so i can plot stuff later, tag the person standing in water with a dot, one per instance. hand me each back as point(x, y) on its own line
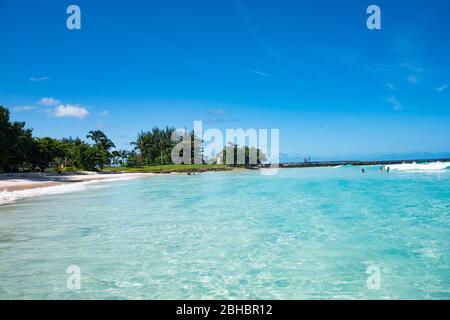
point(388, 169)
point(381, 169)
point(362, 170)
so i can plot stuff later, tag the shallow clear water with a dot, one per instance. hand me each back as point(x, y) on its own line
point(304, 233)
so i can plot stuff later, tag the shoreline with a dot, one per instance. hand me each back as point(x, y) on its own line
point(23, 181)
point(15, 186)
point(13, 182)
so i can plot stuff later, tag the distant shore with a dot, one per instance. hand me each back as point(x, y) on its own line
point(312, 164)
point(172, 168)
point(17, 182)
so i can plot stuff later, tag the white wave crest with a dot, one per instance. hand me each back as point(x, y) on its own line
point(419, 166)
point(7, 197)
point(12, 196)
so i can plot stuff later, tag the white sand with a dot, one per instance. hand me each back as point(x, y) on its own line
point(23, 181)
point(15, 186)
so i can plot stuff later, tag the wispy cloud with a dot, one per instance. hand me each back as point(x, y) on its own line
point(390, 86)
point(412, 79)
point(216, 112)
point(24, 108)
point(70, 111)
point(219, 116)
point(442, 88)
point(412, 67)
point(38, 79)
point(264, 74)
point(396, 105)
point(399, 66)
point(104, 113)
point(49, 102)
point(248, 23)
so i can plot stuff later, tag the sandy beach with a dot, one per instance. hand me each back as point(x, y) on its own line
point(10, 182)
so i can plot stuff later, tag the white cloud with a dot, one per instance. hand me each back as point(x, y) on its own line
point(49, 102)
point(38, 79)
point(442, 88)
point(57, 109)
point(396, 105)
point(412, 79)
point(104, 113)
point(24, 108)
point(68, 110)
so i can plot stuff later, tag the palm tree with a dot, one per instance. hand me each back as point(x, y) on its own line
point(120, 156)
point(100, 140)
point(123, 155)
point(142, 144)
point(116, 161)
point(96, 136)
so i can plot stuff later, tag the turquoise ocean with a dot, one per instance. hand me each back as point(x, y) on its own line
point(299, 234)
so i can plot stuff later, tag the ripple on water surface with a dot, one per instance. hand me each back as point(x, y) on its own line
point(304, 233)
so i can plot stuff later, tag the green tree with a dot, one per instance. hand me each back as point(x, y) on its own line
point(120, 157)
point(103, 144)
point(247, 151)
point(142, 144)
point(80, 155)
point(16, 144)
point(47, 153)
point(100, 140)
point(133, 159)
point(7, 138)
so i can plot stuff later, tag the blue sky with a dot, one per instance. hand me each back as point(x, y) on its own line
point(310, 68)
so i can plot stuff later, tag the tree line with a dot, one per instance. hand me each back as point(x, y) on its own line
point(21, 151)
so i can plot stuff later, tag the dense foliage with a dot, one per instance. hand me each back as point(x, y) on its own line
point(20, 151)
point(241, 156)
point(155, 147)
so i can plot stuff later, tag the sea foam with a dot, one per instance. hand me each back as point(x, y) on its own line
point(7, 197)
point(420, 166)
point(11, 196)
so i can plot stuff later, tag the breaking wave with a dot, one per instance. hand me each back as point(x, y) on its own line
point(11, 196)
point(7, 197)
point(420, 166)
